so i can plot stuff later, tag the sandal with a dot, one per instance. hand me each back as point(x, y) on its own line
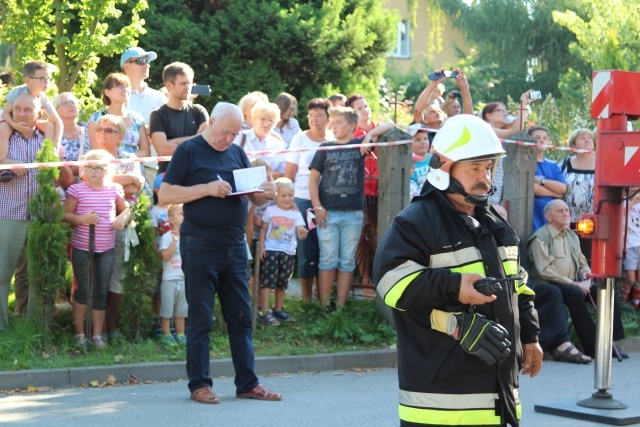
point(282, 315)
point(566, 356)
point(260, 392)
point(268, 318)
point(205, 395)
point(625, 294)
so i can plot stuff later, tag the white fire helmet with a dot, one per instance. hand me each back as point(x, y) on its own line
point(462, 138)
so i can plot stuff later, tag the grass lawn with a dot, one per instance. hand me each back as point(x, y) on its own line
point(357, 327)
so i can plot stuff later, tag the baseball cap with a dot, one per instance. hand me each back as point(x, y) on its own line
point(158, 181)
point(136, 52)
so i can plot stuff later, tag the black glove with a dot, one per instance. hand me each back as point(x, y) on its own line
point(480, 336)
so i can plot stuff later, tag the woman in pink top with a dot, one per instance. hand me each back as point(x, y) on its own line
point(99, 202)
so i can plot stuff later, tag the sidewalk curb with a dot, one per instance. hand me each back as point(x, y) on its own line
point(172, 371)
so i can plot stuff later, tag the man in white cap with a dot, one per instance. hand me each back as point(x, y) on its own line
point(135, 63)
point(459, 350)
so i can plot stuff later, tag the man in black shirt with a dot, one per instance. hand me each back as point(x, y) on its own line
point(213, 249)
point(179, 119)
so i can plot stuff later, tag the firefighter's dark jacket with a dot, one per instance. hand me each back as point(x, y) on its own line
point(418, 268)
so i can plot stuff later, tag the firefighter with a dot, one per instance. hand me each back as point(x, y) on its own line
point(459, 351)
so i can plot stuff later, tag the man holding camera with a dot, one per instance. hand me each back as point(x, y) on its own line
point(459, 351)
point(179, 119)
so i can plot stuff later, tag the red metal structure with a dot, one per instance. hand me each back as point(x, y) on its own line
point(615, 101)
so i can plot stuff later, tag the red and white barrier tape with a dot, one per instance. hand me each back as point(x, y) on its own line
point(261, 153)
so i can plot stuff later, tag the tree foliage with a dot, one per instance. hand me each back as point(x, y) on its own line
point(72, 35)
point(306, 48)
point(606, 33)
point(47, 238)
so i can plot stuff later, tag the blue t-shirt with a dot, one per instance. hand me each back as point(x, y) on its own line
point(420, 173)
point(213, 218)
point(551, 171)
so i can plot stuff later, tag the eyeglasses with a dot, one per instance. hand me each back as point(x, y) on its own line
point(500, 110)
point(140, 61)
point(106, 131)
point(69, 103)
point(42, 79)
point(122, 87)
point(317, 117)
point(95, 169)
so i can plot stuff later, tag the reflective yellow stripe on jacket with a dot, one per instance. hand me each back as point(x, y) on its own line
point(453, 409)
point(509, 257)
point(395, 281)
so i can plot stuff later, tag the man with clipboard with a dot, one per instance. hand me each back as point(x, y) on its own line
point(214, 255)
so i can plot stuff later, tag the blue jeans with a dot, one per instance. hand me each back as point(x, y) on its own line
point(308, 251)
point(339, 239)
point(209, 268)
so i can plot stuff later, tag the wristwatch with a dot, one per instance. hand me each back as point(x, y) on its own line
point(543, 181)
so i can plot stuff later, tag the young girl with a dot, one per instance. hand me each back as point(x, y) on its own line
point(278, 240)
point(99, 202)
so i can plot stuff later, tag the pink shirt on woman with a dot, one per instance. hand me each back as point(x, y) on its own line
point(103, 202)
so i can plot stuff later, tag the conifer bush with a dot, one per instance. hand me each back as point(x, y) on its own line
point(47, 240)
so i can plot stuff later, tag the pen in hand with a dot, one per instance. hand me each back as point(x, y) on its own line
point(218, 177)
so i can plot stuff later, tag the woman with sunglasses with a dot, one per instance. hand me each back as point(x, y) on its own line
point(75, 138)
point(115, 95)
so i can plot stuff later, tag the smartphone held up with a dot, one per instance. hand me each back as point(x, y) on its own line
point(535, 94)
point(442, 74)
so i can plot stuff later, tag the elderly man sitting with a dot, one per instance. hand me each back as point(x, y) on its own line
point(555, 258)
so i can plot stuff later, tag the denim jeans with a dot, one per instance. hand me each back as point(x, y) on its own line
point(339, 239)
point(209, 268)
point(308, 251)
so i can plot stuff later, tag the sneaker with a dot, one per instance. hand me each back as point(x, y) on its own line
point(328, 308)
point(169, 342)
point(181, 339)
point(98, 342)
point(282, 315)
point(81, 341)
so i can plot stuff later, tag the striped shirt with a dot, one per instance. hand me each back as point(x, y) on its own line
point(103, 202)
point(15, 195)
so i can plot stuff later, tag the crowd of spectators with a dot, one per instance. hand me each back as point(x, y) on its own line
point(326, 188)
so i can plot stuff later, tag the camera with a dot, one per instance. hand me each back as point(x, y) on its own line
point(203, 90)
point(535, 95)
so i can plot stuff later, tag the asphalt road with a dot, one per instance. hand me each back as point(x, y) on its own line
point(335, 398)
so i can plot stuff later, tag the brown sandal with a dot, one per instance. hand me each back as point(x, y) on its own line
point(260, 392)
point(566, 356)
point(205, 395)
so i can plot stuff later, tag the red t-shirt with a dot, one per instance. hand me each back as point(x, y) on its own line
point(370, 166)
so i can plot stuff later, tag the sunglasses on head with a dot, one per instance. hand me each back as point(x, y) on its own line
point(139, 61)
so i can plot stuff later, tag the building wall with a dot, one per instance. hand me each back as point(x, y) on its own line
point(419, 41)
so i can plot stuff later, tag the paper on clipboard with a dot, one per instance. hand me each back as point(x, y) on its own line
point(249, 180)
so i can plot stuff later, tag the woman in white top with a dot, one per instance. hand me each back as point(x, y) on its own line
point(298, 171)
point(264, 117)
